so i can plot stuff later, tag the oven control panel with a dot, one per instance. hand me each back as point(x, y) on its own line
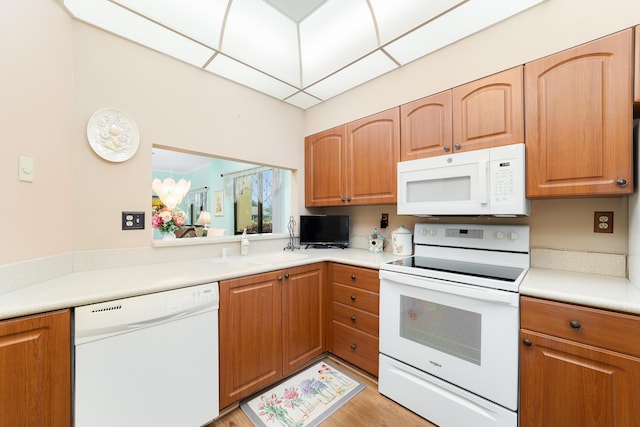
point(474, 236)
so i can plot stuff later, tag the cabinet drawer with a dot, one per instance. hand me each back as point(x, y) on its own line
point(355, 318)
point(357, 298)
point(364, 278)
point(601, 328)
point(356, 347)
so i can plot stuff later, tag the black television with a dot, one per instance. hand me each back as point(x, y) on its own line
point(324, 231)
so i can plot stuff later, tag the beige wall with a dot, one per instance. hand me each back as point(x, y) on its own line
point(56, 72)
point(36, 82)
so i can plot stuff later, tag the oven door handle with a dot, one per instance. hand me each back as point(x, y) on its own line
point(468, 291)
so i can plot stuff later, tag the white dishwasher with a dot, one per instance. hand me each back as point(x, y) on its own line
point(150, 360)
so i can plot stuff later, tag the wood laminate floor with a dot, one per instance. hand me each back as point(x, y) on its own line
point(367, 409)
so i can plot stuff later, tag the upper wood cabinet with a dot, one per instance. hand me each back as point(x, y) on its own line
point(354, 164)
point(35, 370)
point(579, 119)
point(636, 84)
point(271, 324)
point(485, 113)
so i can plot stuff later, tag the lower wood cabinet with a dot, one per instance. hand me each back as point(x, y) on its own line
point(579, 366)
point(35, 370)
point(271, 325)
point(355, 304)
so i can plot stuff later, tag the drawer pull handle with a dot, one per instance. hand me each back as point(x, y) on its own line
point(353, 318)
point(353, 347)
point(574, 324)
point(526, 342)
point(353, 277)
point(353, 297)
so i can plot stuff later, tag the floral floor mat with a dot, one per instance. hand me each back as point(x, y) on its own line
point(304, 400)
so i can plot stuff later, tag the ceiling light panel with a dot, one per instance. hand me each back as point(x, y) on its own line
point(259, 35)
point(247, 76)
point(398, 17)
point(355, 74)
point(117, 20)
point(336, 34)
point(469, 18)
point(302, 100)
point(199, 19)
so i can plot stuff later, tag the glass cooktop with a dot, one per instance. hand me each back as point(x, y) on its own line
point(472, 269)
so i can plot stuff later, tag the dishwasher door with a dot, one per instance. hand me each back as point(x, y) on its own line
point(150, 360)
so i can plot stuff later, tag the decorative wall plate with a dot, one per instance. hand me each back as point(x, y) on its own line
point(113, 135)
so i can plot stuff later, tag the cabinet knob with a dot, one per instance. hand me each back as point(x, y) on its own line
point(353, 297)
point(621, 182)
point(342, 199)
point(348, 199)
point(574, 324)
point(353, 347)
point(456, 146)
point(353, 277)
point(527, 342)
point(446, 148)
point(286, 275)
point(280, 278)
point(353, 318)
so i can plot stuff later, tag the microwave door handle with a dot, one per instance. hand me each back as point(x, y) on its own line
point(483, 190)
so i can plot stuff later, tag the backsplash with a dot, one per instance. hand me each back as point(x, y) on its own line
point(583, 262)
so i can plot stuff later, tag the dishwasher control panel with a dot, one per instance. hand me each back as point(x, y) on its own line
point(184, 299)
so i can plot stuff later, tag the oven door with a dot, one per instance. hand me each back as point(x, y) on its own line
point(465, 335)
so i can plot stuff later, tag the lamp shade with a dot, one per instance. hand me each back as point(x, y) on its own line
point(204, 218)
point(171, 192)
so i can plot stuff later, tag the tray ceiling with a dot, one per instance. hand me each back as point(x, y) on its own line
point(299, 51)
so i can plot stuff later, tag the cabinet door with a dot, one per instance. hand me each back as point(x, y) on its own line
point(250, 335)
point(426, 127)
point(578, 120)
point(325, 177)
point(563, 383)
point(303, 315)
point(489, 112)
point(373, 150)
point(35, 370)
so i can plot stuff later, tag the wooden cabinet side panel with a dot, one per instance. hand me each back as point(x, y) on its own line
point(373, 150)
point(636, 84)
point(35, 370)
point(563, 383)
point(303, 315)
point(578, 120)
point(489, 112)
point(250, 335)
point(325, 168)
point(426, 127)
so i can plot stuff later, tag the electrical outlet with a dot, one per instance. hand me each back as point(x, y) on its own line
point(603, 222)
point(133, 220)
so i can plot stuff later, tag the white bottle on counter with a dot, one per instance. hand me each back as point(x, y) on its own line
point(244, 243)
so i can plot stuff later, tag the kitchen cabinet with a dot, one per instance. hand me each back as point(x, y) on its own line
point(271, 324)
point(35, 370)
point(485, 113)
point(578, 120)
point(354, 164)
point(578, 366)
point(636, 80)
point(355, 316)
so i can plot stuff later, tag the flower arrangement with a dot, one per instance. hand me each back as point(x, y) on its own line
point(167, 220)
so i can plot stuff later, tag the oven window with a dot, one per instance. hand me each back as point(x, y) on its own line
point(448, 329)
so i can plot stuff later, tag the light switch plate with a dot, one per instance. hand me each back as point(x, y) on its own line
point(25, 169)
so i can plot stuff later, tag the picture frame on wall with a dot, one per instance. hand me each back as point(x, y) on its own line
point(218, 203)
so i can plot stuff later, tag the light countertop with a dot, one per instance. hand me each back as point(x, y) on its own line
point(595, 290)
point(88, 287)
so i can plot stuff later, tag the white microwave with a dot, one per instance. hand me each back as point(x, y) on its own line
point(480, 182)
